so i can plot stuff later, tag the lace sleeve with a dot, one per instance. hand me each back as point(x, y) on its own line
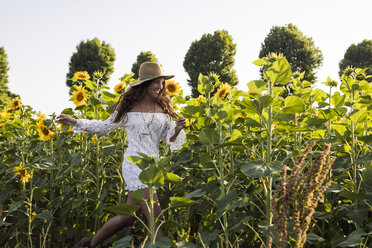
point(169, 132)
point(97, 126)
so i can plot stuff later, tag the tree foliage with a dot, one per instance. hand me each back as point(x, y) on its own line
point(141, 58)
point(213, 53)
point(299, 50)
point(5, 94)
point(359, 56)
point(91, 56)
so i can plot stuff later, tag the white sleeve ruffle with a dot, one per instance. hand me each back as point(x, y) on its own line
point(97, 126)
point(180, 139)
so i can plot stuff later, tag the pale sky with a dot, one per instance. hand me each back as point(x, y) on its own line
point(39, 36)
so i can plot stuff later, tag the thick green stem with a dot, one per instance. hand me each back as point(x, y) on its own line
point(222, 183)
point(29, 213)
point(152, 221)
point(329, 111)
point(353, 149)
point(296, 134)
point(268, 159)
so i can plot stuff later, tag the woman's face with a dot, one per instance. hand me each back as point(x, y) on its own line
point(155, 87)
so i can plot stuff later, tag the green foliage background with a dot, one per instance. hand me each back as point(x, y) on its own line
point(216, 191)
point(213, 53)
point(300, 51)
point(5, 94)
point(359, 55)
point(92, 55)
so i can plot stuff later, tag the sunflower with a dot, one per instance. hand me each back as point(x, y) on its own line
point(20, 170)
point(64, 128)
point(80, 96)
point(222, 91)
point(240, 115)
point(15, 103)
point(80, 76)
point(172, 87)
point(3, 118)
point(3, 115)
point(44, 132)
point(41, 119)
point(119, 87)
point(253, 158)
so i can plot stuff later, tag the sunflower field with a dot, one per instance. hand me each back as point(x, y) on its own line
point(285, 164)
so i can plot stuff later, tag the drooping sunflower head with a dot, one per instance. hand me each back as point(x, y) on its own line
point(45, 133)
point(15, 103)
point(119, 87)
point(222, 91)
point(79, 96)
point(172, 87)
point(80, 76)
point(20, 170)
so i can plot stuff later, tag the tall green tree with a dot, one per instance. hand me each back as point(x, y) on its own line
point(141, 58)
point(299, 50)
point(213, 53)
point(92, 55)
point(359, 56)
point(5, 94)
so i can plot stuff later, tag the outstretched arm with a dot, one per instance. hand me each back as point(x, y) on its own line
point(90, 126)
point(66, 119)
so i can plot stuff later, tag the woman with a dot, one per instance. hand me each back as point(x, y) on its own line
point(144, 110)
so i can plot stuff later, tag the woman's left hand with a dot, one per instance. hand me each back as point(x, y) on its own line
point(180, 124)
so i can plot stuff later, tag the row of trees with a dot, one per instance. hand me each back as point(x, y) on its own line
point(5, 94)
point(213, 53)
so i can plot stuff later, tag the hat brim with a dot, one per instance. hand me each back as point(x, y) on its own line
point(135, 83)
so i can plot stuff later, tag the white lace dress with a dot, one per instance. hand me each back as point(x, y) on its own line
point(144, 131)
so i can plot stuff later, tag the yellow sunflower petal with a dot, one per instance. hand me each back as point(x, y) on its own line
point(15, 103)
point(64, 128)
point(80, 76)
point(172, 87)
point(119, 87)
point(199, 100)
point(45, 133)
point(222, 91)
point(20, 170)
point(79, 96)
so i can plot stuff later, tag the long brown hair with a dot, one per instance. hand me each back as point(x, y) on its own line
point(136, 94)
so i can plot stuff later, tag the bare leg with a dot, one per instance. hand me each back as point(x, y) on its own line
point(113, 225)
point(157, 210)
point(116, 223)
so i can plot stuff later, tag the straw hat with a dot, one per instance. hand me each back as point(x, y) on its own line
point(149, 71)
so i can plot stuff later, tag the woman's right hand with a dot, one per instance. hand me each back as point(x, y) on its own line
point(66, 119)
